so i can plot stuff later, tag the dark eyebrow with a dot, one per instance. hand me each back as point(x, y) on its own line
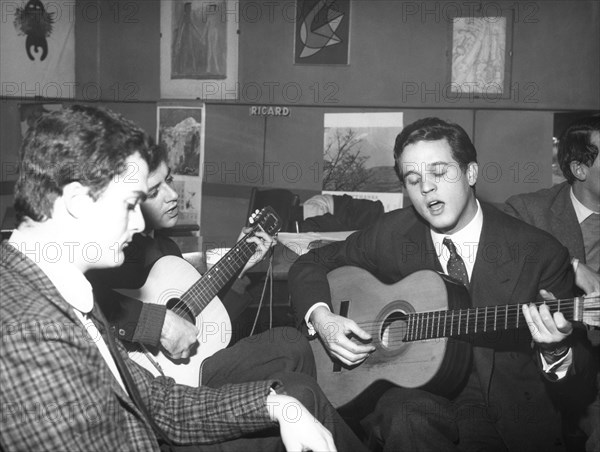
point(434, 164)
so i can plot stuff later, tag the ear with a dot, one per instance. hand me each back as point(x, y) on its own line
point(76, 199)
point(579, 170)
point(472, 172)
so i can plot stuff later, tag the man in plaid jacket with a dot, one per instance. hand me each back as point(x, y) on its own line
point(63, 385)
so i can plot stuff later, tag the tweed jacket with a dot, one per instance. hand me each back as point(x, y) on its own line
point(550, 209)
point(57, 393)
point(514, 261)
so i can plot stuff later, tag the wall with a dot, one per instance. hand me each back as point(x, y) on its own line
point(398, 61)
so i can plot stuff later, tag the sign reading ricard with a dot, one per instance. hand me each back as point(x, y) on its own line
point(269, 110)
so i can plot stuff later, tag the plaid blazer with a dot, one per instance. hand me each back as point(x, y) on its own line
point(57, 393)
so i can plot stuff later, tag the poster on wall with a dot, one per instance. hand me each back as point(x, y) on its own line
point(37, 49)
point(322, 32)
point(181, 132)
point(480, 55)
point(358, 156)
point(199, 49)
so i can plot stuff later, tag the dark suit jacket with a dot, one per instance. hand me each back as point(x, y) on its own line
point(514, 261)
point(550, 209)
point(57, 392)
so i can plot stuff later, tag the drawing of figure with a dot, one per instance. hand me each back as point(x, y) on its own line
point(188, 54)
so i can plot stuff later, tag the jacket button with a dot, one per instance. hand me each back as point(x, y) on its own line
point(121, 332)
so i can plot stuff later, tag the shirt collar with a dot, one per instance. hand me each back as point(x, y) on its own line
point(581, 211)
point(466, 240)
point(68, 279)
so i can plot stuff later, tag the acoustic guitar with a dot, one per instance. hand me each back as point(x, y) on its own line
point(417, 348)
point(174, 282)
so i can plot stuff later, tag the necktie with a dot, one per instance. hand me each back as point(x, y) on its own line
point(126, 375)
point(590, 229)
point(456, 266)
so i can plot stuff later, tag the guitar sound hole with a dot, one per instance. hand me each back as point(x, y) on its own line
point(181, 310)
point(393, 330)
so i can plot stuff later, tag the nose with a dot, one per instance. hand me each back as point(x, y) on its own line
point(171, 194)
point(136, 221)
point(427, 184)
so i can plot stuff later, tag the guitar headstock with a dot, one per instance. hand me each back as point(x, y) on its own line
point(267, 219)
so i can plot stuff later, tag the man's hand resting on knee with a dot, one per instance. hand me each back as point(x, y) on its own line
point(299, 429)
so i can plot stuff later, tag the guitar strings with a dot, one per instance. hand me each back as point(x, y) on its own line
point(200, 294)
point(444, 323)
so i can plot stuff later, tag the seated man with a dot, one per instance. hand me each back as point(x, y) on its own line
point(65, 386)
point(571, 212)
point(280, 349)
point(504, 400)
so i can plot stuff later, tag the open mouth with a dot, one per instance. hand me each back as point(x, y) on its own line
point(173, 212)
point(435, 206)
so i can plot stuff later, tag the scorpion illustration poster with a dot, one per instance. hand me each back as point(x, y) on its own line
point(199, 49)
point(181, 131)
point(37, 55)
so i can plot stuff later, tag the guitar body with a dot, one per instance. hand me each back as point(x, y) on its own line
point(438, 364)
point(169, 278)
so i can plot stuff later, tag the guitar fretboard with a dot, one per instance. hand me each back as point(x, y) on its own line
point(436, 324)
point(197, 297)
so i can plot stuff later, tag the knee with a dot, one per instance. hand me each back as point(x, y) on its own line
point(302, 387)
point(297, 346)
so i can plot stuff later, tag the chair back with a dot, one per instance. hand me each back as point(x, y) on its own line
point(283, 201)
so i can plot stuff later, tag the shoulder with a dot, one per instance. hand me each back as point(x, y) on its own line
point(25, 290)
point(541, 199)
point(400, 219)
point(517, 230)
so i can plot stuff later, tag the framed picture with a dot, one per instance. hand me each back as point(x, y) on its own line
point(480, 55)
point(38, 49)
point(322, 32)
point(199, 49)
point(358, 156)
point(181, 131)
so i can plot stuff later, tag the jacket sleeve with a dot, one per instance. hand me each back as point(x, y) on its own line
point(307, 278)
point(205, 415)
point(132, 320)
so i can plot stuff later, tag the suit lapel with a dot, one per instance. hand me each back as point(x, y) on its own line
point(423, 253)
point(564, 224)
point(495, 269)
point(47, 290)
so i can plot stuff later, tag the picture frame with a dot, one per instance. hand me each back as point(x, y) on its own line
point(322, 32)
point(357, 156)
point(480, 55)
point(199, 49)
point(180, 129)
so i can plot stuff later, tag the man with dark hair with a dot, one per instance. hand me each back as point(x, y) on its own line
point(504, 401)
point(571, 212)
point(66, 386)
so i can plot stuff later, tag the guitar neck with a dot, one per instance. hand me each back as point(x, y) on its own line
point(201, 293)
point(451, 323)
